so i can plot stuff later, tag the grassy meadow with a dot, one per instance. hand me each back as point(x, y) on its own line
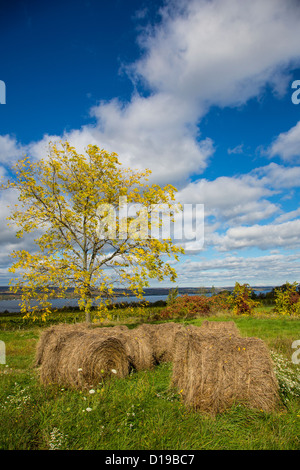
point(140, 412)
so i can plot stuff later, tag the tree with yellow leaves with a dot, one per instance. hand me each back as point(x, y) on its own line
point(73, 201)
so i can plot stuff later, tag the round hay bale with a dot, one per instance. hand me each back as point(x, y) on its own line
point(147, 330)
point(215, 372)
point(52, 337)
point(82, 357)
point(139, 349)
point(137, 344)
point(62, 348)
point(180, 358)
point(91, 358)
point(162, 337)
point(52, 340)
point(224, 329)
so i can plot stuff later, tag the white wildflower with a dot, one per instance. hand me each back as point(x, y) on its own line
point(57, 439)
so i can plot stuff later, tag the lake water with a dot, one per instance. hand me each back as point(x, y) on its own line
point(13, 305)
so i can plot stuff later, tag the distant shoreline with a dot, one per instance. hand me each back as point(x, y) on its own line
point(11, 305)
point(5, 293)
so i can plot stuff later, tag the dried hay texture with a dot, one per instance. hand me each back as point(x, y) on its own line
point(137, 345)
point(224, 327)
point(51, 338)
point(90, 358)
point(213, 372)
point(79, 355)
point(162, 337)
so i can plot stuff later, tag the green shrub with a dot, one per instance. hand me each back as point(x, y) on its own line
point(240, 300)
point(287, 299)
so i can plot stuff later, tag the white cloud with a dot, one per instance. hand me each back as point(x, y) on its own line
point(285, 235)
point(271, 269)
point(287, 145)
point(157, 132)
point(287, 216)
point(277, 176)
point(238, 149)
point(220, 52)
point(235, 200)
point(8, 240)
point(10, 150)
point(236, 207)
point(202, 53)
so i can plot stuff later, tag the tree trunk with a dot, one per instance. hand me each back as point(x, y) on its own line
point(88, 316)
point(88, 303)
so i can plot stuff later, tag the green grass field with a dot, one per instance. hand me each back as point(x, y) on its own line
point(140, 412)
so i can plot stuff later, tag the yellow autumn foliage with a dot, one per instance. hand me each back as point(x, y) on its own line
point(58, 199)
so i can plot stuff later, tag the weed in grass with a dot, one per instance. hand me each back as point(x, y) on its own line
point(57, 439)
point(18, 399)
point(288, 380)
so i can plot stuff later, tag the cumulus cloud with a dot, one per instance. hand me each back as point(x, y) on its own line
point(285, 235)
point(287, 216)
point(239, 209)
point(277, 176)
point(158, 132)
point(287, 145)
point(220, 52)
point(233, 200)
point(202, 53)
point(8, 240)
point(272, 269)
point(10, 150)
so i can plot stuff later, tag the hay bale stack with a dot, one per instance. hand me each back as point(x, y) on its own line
point(63, 349)
point(162, 338)
point(212, 372)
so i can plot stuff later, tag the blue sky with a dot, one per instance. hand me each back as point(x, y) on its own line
point(198, 91)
